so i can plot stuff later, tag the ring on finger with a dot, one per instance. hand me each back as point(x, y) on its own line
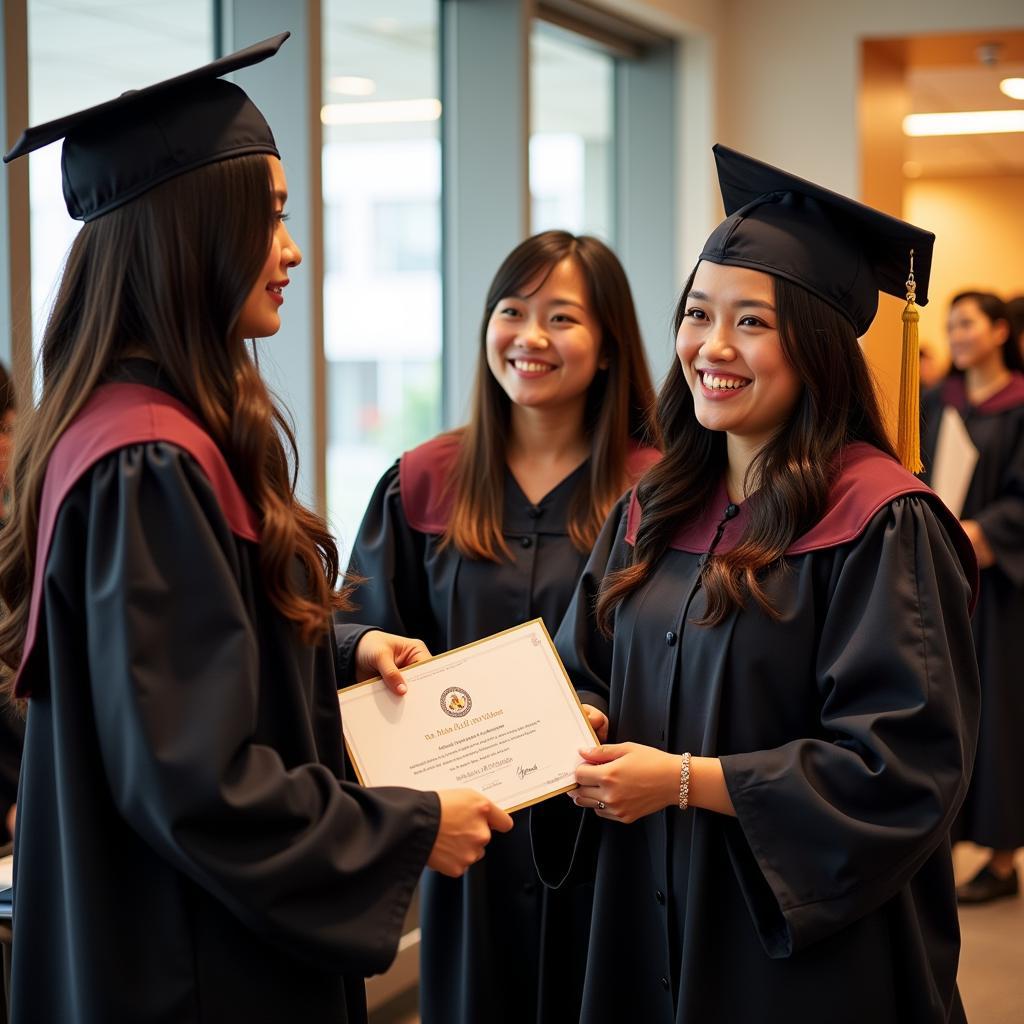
point(600, 805)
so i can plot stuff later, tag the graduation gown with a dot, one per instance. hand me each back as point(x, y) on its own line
point(846, 732)
point(188, 847)
point(496, 946)
point(993, 813)
point(12, 736)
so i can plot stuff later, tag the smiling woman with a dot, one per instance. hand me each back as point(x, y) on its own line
point(183, 738)
point(488, 526)
point(776, 622)
point(733, 359)
point(259, 317)
point(544, 347)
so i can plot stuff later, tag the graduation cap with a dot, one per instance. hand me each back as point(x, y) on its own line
point(116, 151)
point(840, 250)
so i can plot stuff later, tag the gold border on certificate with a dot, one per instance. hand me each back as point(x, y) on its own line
point(546, 636)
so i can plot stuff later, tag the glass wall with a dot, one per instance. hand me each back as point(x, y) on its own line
point(382, 242)
point(572, 122)
point(85, 53)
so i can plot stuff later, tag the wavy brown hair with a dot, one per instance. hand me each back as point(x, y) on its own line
point(619, 408)
point(837, 405)
point(166, 276)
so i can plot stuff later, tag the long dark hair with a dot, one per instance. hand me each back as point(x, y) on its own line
point(794, 470)
point(619, 407)
point(167, 276)
point(1015, 311)
point(995, 310)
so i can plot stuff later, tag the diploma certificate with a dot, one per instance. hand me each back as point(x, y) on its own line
point(498, 715)
point(955, 459)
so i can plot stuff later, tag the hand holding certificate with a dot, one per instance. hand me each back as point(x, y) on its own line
point(498, 715)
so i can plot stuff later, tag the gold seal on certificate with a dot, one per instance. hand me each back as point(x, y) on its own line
point(498, 715)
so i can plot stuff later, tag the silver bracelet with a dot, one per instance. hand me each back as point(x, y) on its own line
point(684, 782)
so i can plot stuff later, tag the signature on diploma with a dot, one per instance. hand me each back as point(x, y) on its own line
point(522, 771)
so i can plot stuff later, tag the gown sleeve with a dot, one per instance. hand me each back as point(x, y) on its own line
point(316, 865)
point(838, 823)
point(1002, 520)
point(387, 562)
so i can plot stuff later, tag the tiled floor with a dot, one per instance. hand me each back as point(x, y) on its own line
point(992, 955)
point(991, 961)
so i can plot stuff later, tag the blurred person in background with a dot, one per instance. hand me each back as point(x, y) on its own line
point(986, 387)
point(934, 357)
point(1015, 309)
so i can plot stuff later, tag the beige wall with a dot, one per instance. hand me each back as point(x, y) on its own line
point(979, 228)
point(781, 78)
point(792, 77)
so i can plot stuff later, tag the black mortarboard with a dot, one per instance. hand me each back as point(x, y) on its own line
point(117, 150)
point(840, 250)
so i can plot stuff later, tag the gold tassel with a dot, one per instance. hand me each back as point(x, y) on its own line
point(908, 438)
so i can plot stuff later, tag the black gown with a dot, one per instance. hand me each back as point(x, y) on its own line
point(846, 732)
point(993, 813)
point(496, 946)
point(188, 849)
point(12, 737)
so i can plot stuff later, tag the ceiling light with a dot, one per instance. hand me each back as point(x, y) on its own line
point(1012, 87)
point(381, 112)
point(352, 85)
point(967, 122)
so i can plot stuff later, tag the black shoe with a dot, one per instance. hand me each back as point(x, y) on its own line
point(986, 885)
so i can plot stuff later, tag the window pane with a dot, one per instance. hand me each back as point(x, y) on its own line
point(81, 54)
point(571, 125)
point(382, 243)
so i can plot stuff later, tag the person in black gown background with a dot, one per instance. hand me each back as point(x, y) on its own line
point(1015, 309)
point(781, 599)
point(488, 526)
point(987, 390)
point(188, 848)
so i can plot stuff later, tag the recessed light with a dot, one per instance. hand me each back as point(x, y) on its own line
point(964, 122)
point(1012, 87)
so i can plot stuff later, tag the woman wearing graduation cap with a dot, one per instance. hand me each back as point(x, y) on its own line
point(984, 398)
point(490, 525)
point(776, 623)
point(188, 848)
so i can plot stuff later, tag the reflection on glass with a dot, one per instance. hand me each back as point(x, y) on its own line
point(571, 118)
point(382, 243)
point(81, 54)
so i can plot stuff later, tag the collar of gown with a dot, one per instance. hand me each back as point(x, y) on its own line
point(954, 393)
point(867, 481)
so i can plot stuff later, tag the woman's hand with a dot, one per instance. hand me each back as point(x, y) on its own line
point(598, 721)
point(982, 548)
point(384, 654)
point(467, 820)
point(626, 781)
